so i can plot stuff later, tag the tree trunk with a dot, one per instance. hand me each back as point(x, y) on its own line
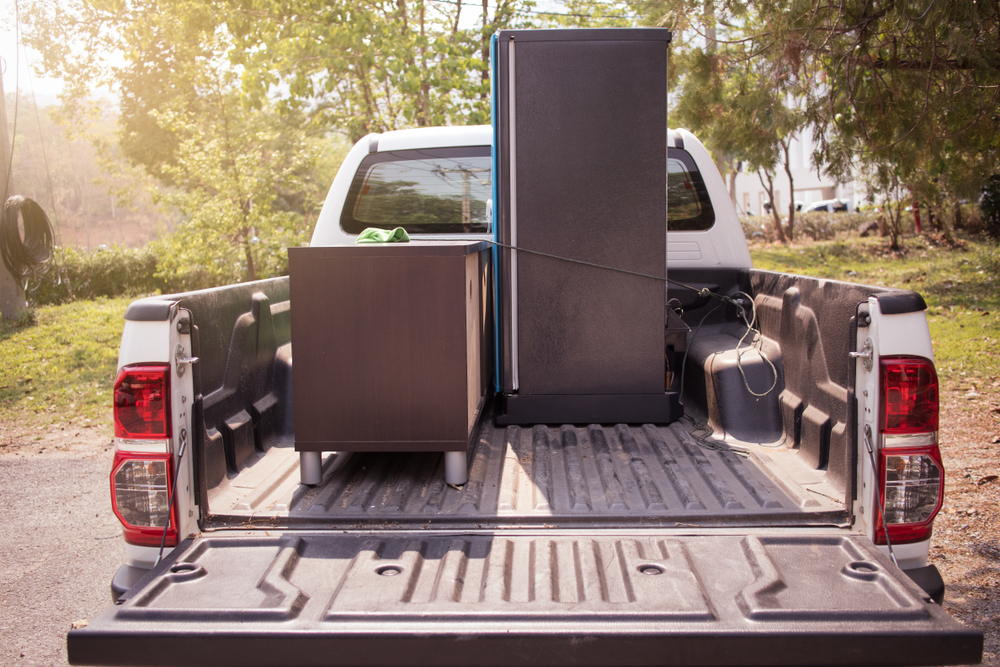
point(484, 75)
point(778, 231)
point(425, 83)
point(791, 194)
point(248, 251)
point(733, 171)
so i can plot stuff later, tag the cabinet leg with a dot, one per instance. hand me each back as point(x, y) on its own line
point(456, 469)
point(311, 468)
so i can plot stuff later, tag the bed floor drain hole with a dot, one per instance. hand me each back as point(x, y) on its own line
point(178, 568)
point(650, 570)
point(389, 570)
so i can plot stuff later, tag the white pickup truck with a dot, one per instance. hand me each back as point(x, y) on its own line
point(787, 526)
point(759, 541)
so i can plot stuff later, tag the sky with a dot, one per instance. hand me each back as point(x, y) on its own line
point(14, 62)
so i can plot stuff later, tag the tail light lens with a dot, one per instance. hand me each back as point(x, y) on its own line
point(142, 475)
point(909, 395)
point(912, 482)
point(142, 402)
point(140, 496)
point(911, 474)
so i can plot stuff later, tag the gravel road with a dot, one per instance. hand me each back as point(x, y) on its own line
point(60, 542)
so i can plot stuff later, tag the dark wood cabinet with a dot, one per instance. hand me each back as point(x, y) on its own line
point(390, 344)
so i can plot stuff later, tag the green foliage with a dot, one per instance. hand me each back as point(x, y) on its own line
point(25, 319)
point(747, 101)
point(76, 174)
point(61, 370)
point(372, 66)
point(236, 171)
point(905, 91)
point(107, 272)
point(988, 257)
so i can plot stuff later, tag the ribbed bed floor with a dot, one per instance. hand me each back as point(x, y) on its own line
point(529, 476)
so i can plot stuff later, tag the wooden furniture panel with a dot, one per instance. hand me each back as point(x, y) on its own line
point(387, 344)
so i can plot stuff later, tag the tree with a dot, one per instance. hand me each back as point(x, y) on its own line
point(371, 66)
point(905, 90)
point(913, 90)
point(231, 170)
point(746, 101)
point(77, 175)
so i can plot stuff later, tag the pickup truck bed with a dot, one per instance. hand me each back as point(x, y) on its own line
point(585, 475)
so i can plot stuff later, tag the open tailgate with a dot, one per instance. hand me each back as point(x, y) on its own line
point(507, 600)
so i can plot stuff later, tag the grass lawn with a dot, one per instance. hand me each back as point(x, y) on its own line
point(961, 286)
point(60, 371)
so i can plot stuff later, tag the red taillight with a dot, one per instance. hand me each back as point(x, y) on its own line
point(909, 395)
point(140, 496)
point(142, 402)
point(911, 475)
point(141, 479)
point(912, 482)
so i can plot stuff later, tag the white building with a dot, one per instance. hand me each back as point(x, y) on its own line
point(809, 185)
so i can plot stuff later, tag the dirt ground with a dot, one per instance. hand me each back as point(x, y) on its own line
point(61, 545)
point(966, 542)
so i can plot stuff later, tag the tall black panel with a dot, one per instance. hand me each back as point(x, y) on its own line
point(582, 135)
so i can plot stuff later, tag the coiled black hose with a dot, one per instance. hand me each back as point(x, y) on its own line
point(29, 257)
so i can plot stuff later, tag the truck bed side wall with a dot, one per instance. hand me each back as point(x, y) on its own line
point(814, 322)
point(809, 326)
point(243, 381)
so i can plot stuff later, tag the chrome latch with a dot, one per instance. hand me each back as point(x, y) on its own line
point(180, 359)
point(866, 355)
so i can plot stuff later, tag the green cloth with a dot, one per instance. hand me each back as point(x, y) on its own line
point(372, 235)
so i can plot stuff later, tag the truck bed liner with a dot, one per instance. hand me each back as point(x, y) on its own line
point(588, 476)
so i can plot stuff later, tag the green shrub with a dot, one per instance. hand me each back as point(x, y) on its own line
point(988, 257)
point(108, 272)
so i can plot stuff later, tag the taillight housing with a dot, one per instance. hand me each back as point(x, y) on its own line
point(141, 485)
point(911, 474)
point(142, 476)
point(142, 402)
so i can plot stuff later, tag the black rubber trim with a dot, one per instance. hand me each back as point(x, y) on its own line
point(373, 143)
point(678, 141)
point(929, 579)
point(151, 310)
point(588, 35)
point(125, 578)
point(589, 409)
point(900, 302)
point(170, 555)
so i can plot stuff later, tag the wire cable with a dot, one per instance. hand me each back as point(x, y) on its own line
point(17, 91)
point(28, 258)
point(173, 495)
point(702, 430)
point(757, 343)
point(703, 292)
point(878, 493)
point(45, 159)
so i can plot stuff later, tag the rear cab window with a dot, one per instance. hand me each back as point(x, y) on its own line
point(426, 191)
point(446, 191)
point(689, 208)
